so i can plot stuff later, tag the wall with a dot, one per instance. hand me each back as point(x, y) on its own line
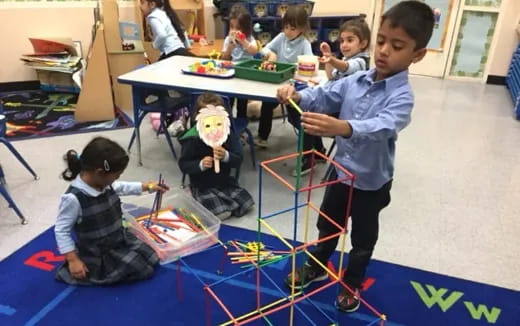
point(18, 24)
point(507, 38)
point(334, 7)
point(20, 20)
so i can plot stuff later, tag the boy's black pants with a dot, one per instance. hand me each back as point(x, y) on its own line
point(364, 213)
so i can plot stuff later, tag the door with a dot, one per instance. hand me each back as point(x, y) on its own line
point(435, 62)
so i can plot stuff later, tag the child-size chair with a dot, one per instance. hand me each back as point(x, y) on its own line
point(164, 105)
point(19, 157)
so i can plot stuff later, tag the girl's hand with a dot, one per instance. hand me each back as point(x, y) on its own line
point(271, 56)
point(207, 162)
point(219, 153)
point(77, 268)
point(243, 43)
point(319, 124)
point(152, 186)
point(286, 92)
point(325, 59)
point(325, 49)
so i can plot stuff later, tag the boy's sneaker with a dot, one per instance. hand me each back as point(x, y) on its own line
point(305, 275)
point(306, 164)
point(260, 142)
point(346, 301)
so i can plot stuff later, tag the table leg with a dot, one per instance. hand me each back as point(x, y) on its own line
point(136, 100)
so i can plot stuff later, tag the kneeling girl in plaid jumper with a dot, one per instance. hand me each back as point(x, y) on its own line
point(103, 252)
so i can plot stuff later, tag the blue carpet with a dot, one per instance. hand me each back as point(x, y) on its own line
point(29, 295)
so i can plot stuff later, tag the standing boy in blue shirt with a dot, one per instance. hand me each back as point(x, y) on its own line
point(373, 107)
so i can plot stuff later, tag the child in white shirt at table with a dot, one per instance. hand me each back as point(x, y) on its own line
point(239, 45)
point(285, 47)
point(354, 42)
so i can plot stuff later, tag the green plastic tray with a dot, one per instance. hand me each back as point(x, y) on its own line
point(248, 70)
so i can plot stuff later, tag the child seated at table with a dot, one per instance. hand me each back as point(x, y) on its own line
point(239, 45)
point(285, 48)
point(218, 192)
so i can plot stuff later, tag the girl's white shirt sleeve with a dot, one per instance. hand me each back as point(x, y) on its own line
point(274, 45)
point(158, 32)
point(69, 210)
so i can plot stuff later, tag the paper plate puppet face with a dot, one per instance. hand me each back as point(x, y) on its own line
point(213, 125)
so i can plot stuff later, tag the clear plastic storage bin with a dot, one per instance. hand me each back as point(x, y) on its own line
point(134, 207)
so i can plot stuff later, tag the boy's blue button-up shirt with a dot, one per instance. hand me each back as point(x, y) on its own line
point(377, 111)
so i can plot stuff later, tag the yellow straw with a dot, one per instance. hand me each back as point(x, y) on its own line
point(336, 277)
point(276, 234)
point(295, 106)
point(306, 223)
point(206, 230)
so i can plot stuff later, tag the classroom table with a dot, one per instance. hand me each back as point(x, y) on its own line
point(167, 74)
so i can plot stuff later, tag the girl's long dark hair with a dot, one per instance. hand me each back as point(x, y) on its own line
point(243, 18)
point(176, 22)
point(174, 18)
point(100, 153)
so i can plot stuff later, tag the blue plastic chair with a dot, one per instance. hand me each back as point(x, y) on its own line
point(19, 157)
point(164, 105)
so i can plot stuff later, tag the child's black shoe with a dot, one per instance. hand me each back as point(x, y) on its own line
point(304, 276)
point(346, 301)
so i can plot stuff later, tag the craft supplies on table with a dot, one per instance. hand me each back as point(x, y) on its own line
point(254, 69)
point(211, 68)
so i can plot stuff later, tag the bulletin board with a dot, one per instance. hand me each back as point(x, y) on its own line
point(442, 10)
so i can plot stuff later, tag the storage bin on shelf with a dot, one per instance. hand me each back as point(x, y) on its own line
point(307, 5)
point(259, 8)
point(278, 8)
point(206, 236)
point(227, 6)
point(248, 69)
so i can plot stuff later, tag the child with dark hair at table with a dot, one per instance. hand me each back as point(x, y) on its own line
point(285, 48)
point(239, 45)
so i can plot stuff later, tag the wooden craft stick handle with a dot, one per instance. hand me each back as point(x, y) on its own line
point(216, 164)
